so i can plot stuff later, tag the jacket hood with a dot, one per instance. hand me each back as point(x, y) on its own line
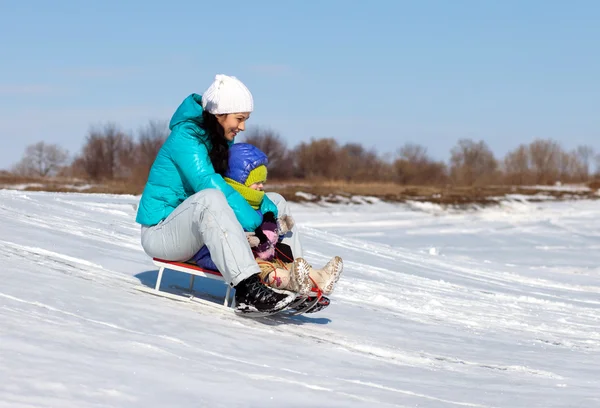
point(190, 110)
point(243, 158)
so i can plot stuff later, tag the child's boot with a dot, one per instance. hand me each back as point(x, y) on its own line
point(294, 278)
point(326, 278)
point(301, 274)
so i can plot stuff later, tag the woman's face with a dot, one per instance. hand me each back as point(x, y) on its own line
point(233, 123)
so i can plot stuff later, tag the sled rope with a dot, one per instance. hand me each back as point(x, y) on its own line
point(287, 258)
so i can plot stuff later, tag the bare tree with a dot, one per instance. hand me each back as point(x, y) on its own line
point(41, 159)
point(585, 155)
point(128, 158)
point(545, 156)
point(597, 165)
point(472, 163)
point(150, 139)
point(352, 161)
point(317, 159)
point(414, 166)
point(359, 164)
point(414, 153)
point(567, 166)
point(281, 164)
point(105, 153)
point(517, 167)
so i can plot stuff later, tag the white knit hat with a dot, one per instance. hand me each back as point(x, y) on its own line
point(227, 94)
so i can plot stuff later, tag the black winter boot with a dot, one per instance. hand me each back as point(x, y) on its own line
point(252, 296)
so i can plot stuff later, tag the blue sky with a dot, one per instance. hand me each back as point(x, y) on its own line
point(380, 73)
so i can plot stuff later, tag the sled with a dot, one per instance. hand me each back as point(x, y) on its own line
point(188, 294)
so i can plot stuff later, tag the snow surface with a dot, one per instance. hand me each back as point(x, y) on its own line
point(560, 187)
point(498, 307)
point(24, 186)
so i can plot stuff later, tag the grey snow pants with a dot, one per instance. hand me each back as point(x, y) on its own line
point(207, 219)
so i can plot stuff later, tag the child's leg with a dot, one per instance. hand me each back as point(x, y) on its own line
point(277, 274)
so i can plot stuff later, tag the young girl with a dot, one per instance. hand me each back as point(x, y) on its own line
point(247, 173)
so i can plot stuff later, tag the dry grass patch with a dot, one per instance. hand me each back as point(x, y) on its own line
point(330, 191)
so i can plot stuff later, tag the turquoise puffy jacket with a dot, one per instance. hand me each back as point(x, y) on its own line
point(182, 168)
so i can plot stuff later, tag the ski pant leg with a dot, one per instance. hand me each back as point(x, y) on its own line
point(292, 238)
point(203, 219)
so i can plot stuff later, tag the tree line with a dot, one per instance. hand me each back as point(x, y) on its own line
point(110, 154)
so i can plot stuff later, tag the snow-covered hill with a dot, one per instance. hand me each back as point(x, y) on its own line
point(492, 308)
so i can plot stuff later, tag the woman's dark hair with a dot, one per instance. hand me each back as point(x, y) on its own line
point(219, 154)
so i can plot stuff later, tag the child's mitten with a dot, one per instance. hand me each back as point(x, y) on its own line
point(285, 224)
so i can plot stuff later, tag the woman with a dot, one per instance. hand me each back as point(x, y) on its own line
point(186, 203)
